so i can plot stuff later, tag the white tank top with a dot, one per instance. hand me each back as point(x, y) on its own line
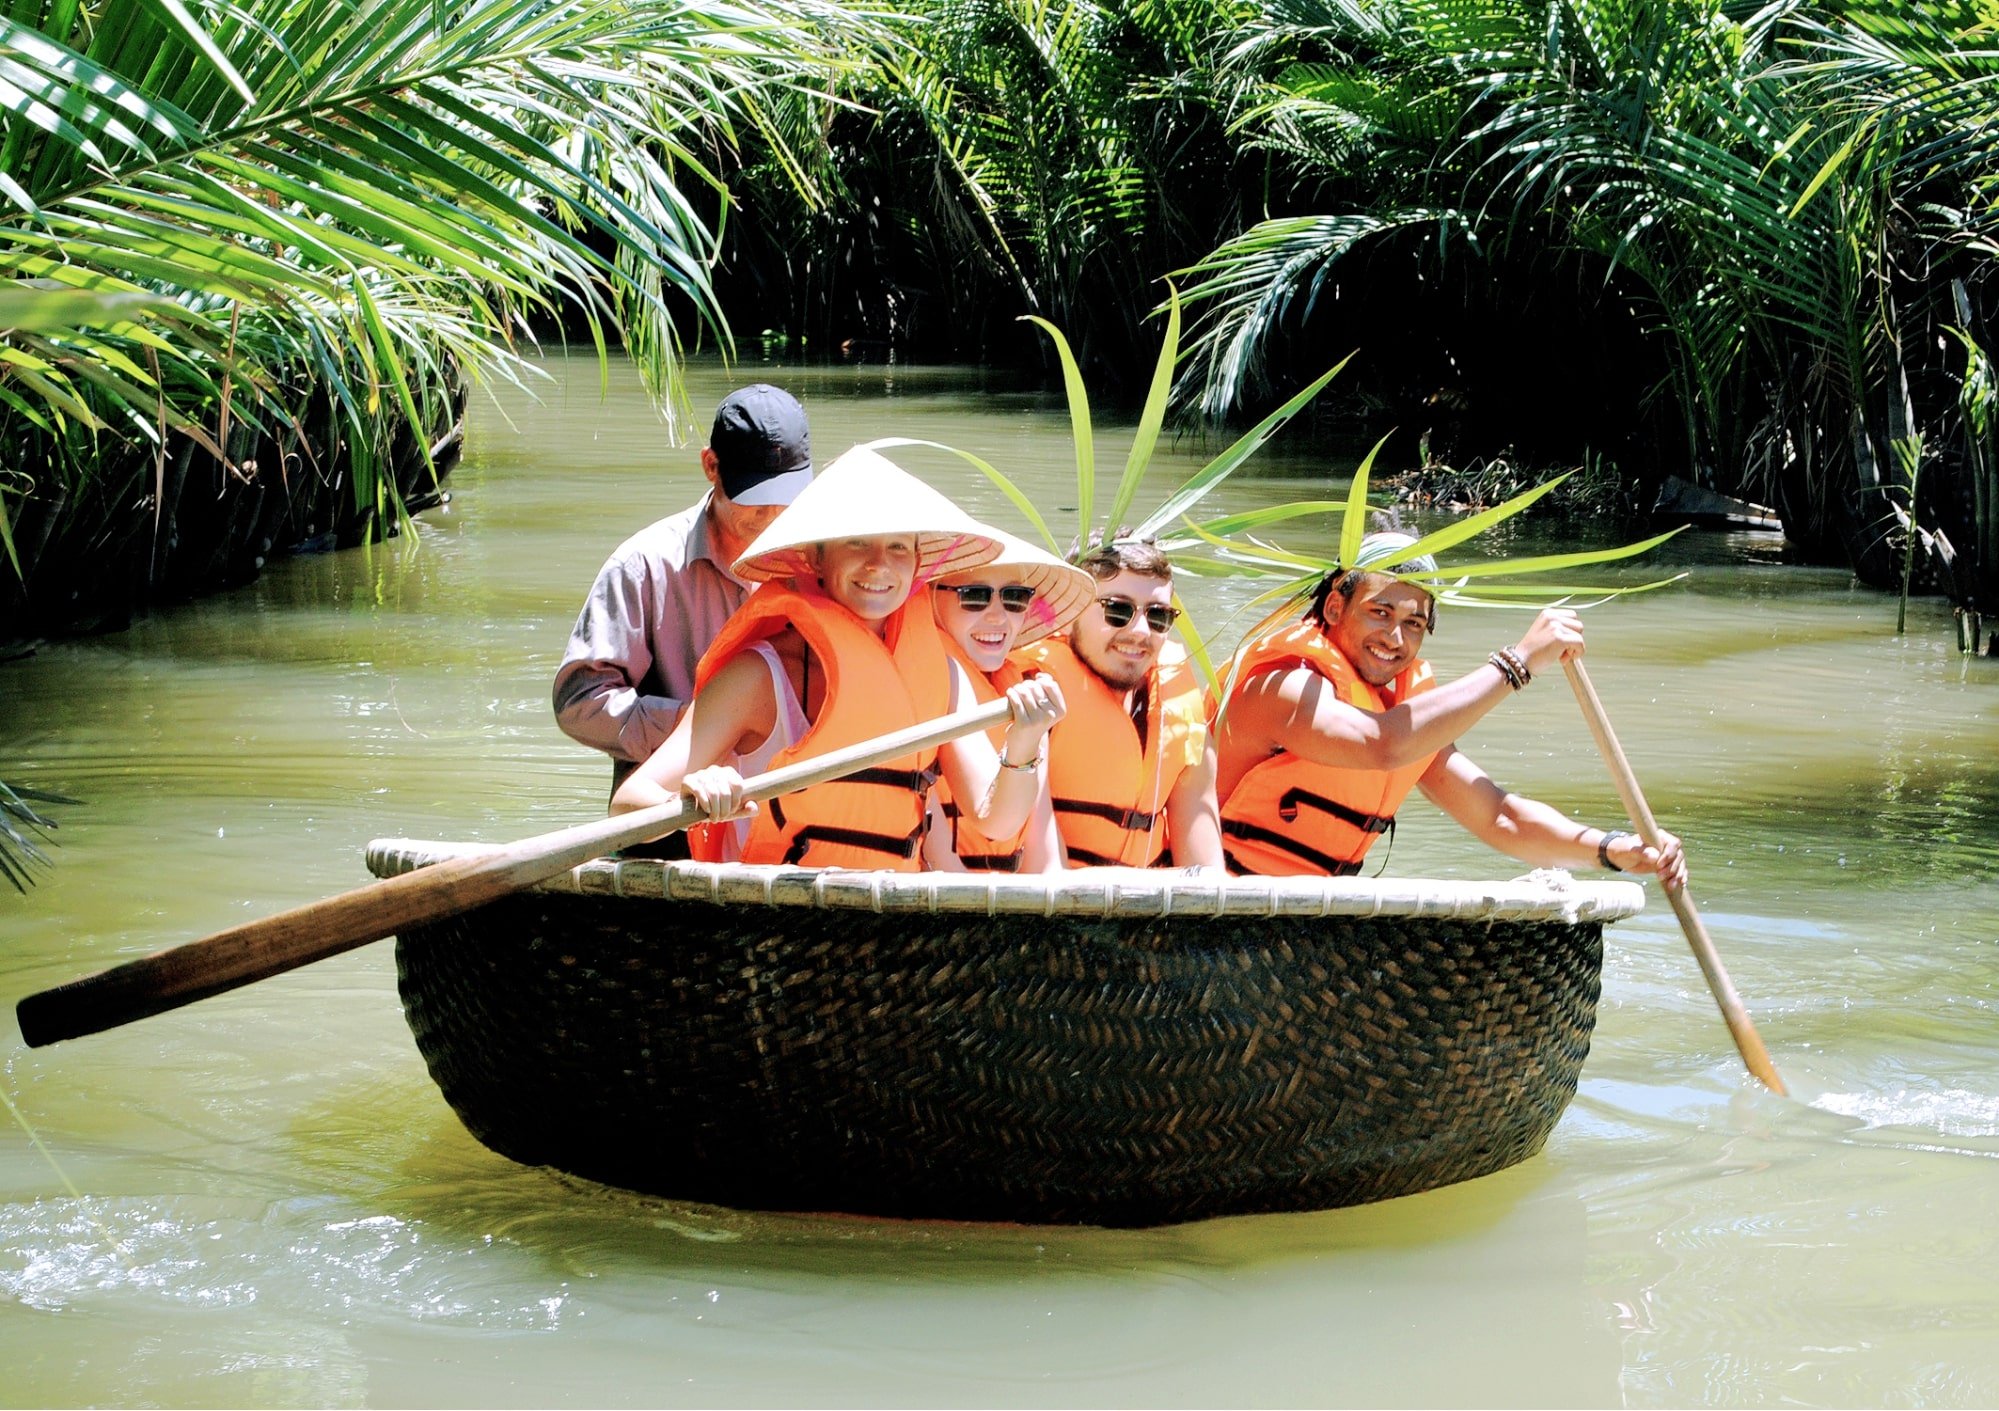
point(789, 729)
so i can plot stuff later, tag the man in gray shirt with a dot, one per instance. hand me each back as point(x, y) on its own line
point(664, 595)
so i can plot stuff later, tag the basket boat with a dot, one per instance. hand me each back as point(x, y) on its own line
point(1107, 1046)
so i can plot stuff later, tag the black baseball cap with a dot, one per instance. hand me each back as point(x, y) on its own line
point(763, 452)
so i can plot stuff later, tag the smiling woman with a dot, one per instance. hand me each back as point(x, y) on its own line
point(255, 254)
point(839, 644)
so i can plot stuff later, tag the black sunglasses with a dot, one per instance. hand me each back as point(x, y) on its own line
point(977, 597)
point(1118, 612)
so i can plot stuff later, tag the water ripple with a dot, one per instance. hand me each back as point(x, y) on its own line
point(1954, 1112)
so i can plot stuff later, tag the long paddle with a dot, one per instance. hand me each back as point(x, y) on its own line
point(256, 950)
point(1747, 1041)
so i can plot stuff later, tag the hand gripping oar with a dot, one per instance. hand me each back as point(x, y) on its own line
point(258, 949)
point(1746, 1039)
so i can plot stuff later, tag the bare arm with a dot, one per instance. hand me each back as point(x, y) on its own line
point(734, 712)
point(1300, 711)
point(596, 696)
point(1193, 817)
point(1533, 831)
point(1041, 850)
point(1001, 800)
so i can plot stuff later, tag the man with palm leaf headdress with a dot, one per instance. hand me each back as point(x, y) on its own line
point(1330, 722)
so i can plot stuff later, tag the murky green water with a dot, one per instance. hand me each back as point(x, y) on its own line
point(273, 1206)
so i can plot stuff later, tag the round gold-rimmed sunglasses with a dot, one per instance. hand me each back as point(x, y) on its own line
point(1118, 612)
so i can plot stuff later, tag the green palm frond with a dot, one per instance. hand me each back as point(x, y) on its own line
point(22, 826)
point(1783, 192)
point(1234, 554)
point(1081, 434)
point(1196, 487)
point(1269, 275)
point(359, 197)
point(1298, 573)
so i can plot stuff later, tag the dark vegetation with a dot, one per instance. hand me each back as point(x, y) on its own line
point(1748, 245)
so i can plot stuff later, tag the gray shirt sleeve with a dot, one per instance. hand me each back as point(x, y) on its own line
point(628, 672)
point(598, 700)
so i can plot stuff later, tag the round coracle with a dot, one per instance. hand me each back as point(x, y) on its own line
point(774, 1038)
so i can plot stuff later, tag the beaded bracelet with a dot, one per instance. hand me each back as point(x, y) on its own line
point(1512, 654)
point(1006, 763)
point(1504, 665)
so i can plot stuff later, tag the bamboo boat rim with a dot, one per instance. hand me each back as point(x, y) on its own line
point(1103, 892)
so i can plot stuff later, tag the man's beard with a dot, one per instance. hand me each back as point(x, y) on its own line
point(1134, 674)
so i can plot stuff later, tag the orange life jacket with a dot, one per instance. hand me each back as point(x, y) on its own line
point(1289, 816)
point(978, 852)
point(874, 817)
point(1108, 787)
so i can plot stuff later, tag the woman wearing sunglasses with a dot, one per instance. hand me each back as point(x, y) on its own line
point(986, 613)
point(837, 647)
point(1131, 767)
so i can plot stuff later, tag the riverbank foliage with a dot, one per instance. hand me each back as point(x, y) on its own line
point(251, 252)
point(1745, 244)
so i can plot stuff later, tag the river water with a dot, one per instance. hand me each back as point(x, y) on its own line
point(262, 1199)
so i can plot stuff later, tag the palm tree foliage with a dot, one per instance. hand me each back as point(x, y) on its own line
point(1794, 196)
point(271, 231)
point(998, 157)
point(290, 224)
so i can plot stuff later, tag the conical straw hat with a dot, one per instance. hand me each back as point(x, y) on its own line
point(1061, 590)
point(863, 495)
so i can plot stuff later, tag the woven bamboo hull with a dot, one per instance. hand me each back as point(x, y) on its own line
point(1153, 1051)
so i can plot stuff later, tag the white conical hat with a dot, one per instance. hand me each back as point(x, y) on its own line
point(863, 495)
point(1061, 590)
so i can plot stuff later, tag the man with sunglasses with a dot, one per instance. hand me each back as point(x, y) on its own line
point(663, 597)
point(1332, 720)
point(1131, 767)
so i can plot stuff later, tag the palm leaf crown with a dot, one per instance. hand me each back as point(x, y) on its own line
point(1230, 544)
point(1298, 574)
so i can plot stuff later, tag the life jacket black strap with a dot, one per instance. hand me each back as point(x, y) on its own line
point(1097, 859)
point(1129, 819)
point(980, 862)
point(1323, 862)
point(805, 837)
point(1287, 809)
point(917, 781)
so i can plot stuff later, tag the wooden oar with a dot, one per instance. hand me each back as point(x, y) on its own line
point(258, 949)
point(1747, 1041)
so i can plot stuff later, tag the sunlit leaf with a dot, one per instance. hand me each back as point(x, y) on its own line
point(1079, 426)
point(1150, 420)
point(1197, 485)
